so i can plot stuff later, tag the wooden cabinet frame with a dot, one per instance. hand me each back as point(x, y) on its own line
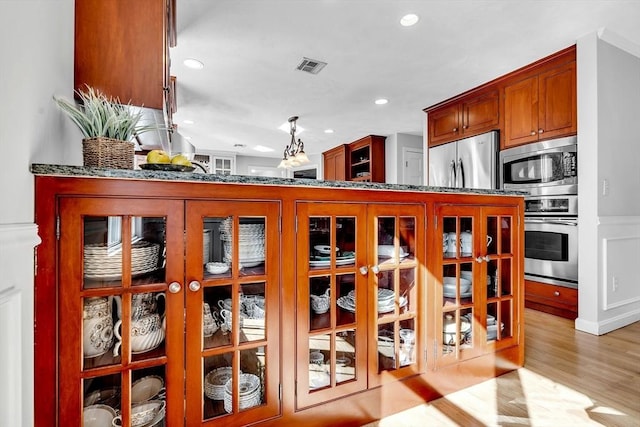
point(357, 408)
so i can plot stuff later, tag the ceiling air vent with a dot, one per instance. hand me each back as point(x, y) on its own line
point(312, 66)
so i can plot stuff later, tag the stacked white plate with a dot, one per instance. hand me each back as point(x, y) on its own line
point(250, 243)
point(386, 301)
point(101, 263)
point(215, 381)
point(250, 392)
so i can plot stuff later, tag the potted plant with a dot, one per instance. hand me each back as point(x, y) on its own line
point(108, 128)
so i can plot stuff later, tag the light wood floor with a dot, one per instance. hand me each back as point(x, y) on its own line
point(570, 378)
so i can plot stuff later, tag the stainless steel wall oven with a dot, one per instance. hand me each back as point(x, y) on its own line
point(548, 172)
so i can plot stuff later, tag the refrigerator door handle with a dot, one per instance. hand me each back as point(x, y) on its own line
point(452, 174)
point(460, 175)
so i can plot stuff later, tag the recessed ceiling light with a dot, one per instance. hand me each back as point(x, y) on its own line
point(188, 122)
point(188, 138)
point(262, 148)
point(381, 101)
point(193, 63)
point(409, 20)
point(328, 131)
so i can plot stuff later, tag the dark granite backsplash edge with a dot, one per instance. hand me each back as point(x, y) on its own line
point(88, 172)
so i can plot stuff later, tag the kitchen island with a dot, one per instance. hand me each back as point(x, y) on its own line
point(283, 301)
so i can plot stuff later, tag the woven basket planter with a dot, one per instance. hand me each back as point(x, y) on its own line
point(110, 153)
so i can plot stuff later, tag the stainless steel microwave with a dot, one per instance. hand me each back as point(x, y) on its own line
point(542, 168)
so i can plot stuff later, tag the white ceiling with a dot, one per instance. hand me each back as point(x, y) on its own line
point(250, 49)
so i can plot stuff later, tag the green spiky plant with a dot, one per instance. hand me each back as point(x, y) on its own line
point(102, 116)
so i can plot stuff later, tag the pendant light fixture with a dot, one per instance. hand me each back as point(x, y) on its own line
point(294, 154)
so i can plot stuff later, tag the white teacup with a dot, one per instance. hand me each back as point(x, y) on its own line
point(466, 242)
point(489, 240)
point(225, 304)
point(452, 242)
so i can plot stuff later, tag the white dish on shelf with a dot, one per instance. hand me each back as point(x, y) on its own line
point(387, 308)
point(347, 303)
point(327, 262)
point(217, 267)
point(146, 388)
point(388, 251)
point(453, 294)
point(324, 249)
point(318, 379)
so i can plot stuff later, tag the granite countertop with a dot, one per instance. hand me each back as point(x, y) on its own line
point(90, 172)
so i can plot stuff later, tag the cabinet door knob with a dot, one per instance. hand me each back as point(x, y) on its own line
point(533, 132)
point(455, 129)
point(479, 260)
point(174, 287)
point(465, 127)
point(363, 270)
point(557, 293)
point(194, 286)
point(375, 269)
point(540, 130)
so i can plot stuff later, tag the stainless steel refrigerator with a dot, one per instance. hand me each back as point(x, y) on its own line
point(467, 163)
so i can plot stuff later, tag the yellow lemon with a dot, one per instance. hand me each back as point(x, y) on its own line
point(158, 156)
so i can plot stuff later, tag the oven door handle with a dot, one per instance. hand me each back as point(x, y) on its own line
point(551, 221)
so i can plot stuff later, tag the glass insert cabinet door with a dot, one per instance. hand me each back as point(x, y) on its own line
point(395, 292)
point(502, 276)
point(331, 270)
point(121, 344)
point(475, 285)
point(232, 312)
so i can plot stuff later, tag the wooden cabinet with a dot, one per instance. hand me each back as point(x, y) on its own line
point(362, 160)
point(476, 287)
point(366, 159)
point(342, 347)
point(259, 304)
point(335, 163)
point(122, 48)
point(557, 300)
point(128, 306)
point(541, 107)
point(464, 117)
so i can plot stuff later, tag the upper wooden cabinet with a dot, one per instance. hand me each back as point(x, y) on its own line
point(532, 103)
point(542, 106)
point(361, 160)
point(335, 163)
point(465, 117)
point(121, 48)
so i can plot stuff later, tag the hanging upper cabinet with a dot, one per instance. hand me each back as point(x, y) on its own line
point(122, 48)
point(467, 117)
point(541, 107)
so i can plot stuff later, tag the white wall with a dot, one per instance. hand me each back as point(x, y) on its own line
point(36, 43)
point(394, 145)
point(608, 152)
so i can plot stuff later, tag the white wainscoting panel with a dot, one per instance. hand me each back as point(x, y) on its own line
point(17, 242)
point(621, 283)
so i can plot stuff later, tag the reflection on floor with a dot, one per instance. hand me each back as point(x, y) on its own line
point(570, 378)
